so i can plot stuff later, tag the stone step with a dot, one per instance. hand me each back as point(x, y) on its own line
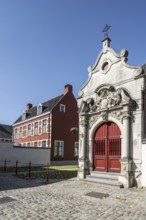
point(106, 175)
point(104, 178)
point(103, 181)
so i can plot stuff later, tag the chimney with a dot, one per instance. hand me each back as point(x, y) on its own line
point(67, 88)
point(29, 106)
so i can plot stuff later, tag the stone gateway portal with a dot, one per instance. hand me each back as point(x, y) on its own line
point(112, 121)
point(107, 148)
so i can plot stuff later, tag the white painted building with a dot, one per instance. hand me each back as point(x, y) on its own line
point(112, 123)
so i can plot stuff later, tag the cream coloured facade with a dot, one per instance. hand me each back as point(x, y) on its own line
point(111, 121)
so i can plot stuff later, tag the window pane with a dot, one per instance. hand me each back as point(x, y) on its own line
point(35, 144)
point(76, 149)
point(39, 109)
point(43, 143)
point(36, 128)
point(62, 108)
point(29, 130)
point(59, 149)
point(20, 132)
point(44, 128)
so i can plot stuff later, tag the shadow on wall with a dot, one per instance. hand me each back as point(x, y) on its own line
point(136, 175)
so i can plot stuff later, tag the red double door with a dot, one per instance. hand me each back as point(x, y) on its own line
point(107, 148)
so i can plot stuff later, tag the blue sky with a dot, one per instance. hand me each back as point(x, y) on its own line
point(45, 44)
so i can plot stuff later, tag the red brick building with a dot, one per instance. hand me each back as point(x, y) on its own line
point(48, 125)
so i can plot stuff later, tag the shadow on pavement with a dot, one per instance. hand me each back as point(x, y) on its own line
point(9, 181)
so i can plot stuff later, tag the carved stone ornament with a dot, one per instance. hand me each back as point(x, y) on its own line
point(117, 114)
point(124, 54)
point(93, 119)
point(83, 121)
point(81, 93)
point(106, 98)
point(104, 115)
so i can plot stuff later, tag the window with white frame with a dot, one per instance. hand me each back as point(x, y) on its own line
point(24, 115)
point(43, 143)
point(36, 128)
point(20, 132)
point(16, 133)
point(28, 144)
point(76, 149)
point(59, 148)
point(62, 108)
point(39, 109)
point(29, 130)
point(35, 144)
point(44, 126)
point(24, 144)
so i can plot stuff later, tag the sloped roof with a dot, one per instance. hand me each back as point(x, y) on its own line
point(144, 68)
point(46, 107)
point(5, 131)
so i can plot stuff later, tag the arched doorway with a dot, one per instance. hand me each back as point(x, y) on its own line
point(107, 148)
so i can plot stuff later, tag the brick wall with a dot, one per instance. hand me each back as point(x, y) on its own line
point(62, 122)
point(33, 138)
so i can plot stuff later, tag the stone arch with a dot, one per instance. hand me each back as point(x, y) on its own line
point(101, 121)
point(93, 130)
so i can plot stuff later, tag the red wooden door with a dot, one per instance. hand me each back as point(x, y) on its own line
point(107, 148)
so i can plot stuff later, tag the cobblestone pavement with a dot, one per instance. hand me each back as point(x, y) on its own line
point(67, 200)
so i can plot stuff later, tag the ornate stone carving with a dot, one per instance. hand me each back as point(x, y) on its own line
point(106, 98)
point(124, 54)
point(88, 106)
point(116, 114)
point(83, 121)
point(81, 93)
point(126, 116)
point(104, 115)
point(93, 119)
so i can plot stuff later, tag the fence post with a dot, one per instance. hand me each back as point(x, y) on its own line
point(16, 167)
point(29, 169)
point(47, 172)
point(5, 165)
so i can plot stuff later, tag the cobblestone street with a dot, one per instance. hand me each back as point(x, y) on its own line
point(67, 200)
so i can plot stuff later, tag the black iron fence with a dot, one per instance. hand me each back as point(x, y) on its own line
point(27, 168)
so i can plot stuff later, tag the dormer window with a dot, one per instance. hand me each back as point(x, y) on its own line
point(24, 115)
point(39, 109)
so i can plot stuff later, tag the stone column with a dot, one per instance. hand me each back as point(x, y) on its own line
point(83, 161)
point(126, 177)
point(126, 137)
point(91, 154)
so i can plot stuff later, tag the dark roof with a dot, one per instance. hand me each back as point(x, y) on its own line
point(46, 107)
point(5, 131)
point(144, 68)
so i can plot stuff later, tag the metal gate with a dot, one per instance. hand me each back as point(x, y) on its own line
point(107, 148)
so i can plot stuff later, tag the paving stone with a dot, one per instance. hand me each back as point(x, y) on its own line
point(67, 200)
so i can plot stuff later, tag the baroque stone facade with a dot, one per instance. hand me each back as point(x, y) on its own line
point(112, 97)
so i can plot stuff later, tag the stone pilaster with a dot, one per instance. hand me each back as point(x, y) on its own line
point(91, 154)
point(126, 137)
point(83, 161)
point(126, 177)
